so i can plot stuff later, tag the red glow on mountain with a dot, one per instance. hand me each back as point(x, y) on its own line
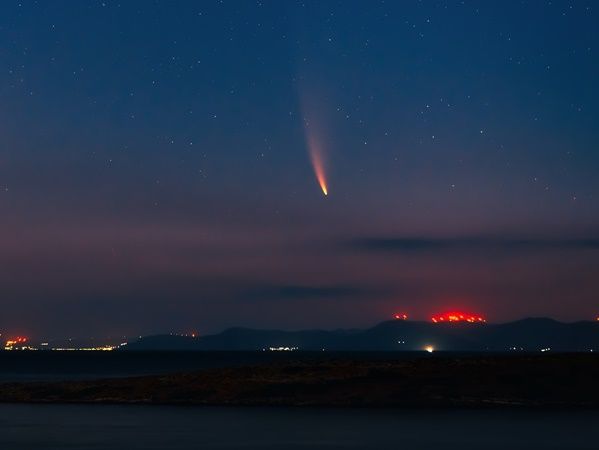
point(458, 317)
point(15, 343)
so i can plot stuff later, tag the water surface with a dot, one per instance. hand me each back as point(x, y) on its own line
point(84, 427)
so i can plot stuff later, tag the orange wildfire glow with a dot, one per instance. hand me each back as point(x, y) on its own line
point(458, 317)
point(15, 342)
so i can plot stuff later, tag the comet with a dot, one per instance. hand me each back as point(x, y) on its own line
point(314, 121)
point(318, 165)
point(318, 161)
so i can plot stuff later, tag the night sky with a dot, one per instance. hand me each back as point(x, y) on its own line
point(156, 163)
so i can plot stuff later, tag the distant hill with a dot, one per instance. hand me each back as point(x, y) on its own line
point(533, 334)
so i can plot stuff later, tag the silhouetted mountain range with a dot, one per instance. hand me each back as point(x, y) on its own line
point(533, 334)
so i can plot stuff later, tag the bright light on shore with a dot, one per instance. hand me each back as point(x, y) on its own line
point(429, 348)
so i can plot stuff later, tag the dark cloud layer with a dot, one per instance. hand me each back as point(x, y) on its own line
point(508, 244)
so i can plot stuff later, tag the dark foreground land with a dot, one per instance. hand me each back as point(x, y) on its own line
point(556, 381)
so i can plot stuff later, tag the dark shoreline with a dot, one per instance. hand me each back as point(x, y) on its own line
point(558, 381)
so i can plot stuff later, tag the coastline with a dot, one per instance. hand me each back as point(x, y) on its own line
point(559, 381)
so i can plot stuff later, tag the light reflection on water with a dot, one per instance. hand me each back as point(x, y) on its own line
point(97, 427)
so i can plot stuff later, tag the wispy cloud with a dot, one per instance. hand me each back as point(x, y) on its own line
point(306, 292)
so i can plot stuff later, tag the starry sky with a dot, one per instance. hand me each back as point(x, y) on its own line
point(156, 163)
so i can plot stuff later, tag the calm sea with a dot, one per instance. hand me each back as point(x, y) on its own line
point(96, 427)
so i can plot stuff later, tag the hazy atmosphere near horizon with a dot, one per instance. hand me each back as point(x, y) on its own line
point(190, 166)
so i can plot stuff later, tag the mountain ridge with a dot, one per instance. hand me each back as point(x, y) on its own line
point(529, 334)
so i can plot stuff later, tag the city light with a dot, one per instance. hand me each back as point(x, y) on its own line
point(105, 348)
point(429, 348)
point(23, 343)
point(401, 316)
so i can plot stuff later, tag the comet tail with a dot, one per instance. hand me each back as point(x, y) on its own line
point(317, 160)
